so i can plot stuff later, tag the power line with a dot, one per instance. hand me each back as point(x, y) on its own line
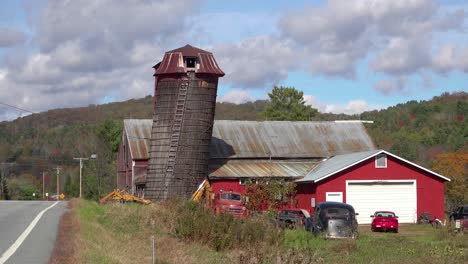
point(17, 108)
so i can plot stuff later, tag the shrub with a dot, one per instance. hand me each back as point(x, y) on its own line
point(197, 223)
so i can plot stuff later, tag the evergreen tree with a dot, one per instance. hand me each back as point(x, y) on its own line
point(288, 104)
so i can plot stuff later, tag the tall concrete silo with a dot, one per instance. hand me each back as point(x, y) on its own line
point(186, 83)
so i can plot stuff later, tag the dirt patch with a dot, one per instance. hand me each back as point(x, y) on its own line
point(65, 244)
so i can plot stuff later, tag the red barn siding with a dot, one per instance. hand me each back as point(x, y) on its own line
point(227, 185)
point(305, 192)
point(430, 189)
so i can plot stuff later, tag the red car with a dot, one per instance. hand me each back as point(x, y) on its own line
point(384, 221)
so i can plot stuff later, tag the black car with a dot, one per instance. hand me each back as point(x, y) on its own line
point(334, 220)
point(292, 217)
point(460, 213)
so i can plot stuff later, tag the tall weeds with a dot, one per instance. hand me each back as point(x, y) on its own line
point(196, 223)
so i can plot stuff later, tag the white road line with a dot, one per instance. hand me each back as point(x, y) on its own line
point(10, 251)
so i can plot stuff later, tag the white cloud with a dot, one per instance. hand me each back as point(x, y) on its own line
point(352, 107)
point(237, 97)
point(391, 86)
point(87, 50)
point(397, 36)
point(257, 62)
point(11, 37)
point(449, 58)
point(402, 56)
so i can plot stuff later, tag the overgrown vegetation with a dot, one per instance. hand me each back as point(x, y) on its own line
point(269, 194)
point(198, 224)
point(188, 233)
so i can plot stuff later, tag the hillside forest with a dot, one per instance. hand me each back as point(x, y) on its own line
point(431, 133)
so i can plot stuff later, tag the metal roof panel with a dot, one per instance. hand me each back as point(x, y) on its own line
point(278, 139)
point(335, 164)
point(138, 133)
point(260, 169)
point(287, 139)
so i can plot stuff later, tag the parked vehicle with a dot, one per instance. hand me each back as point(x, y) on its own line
point(384, 221)
point(460, 217)
point(335, 220)
point(230, 202)
point(53, 198)
point(292, 217)
point(223, 202)
point(460, 213)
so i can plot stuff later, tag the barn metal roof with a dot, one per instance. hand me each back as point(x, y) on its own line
point(138, 133)
point(287, 139)
point(260, 169)
point(278, 139)
point(339, 163)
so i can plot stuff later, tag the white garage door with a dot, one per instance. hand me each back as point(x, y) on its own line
point(368, 197)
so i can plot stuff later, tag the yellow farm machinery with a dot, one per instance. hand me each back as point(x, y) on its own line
point(123, 197)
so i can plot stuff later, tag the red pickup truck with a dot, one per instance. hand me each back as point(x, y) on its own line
point(230, 202)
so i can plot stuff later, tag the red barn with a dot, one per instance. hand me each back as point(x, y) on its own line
point(132, 160)
point(374, 180)
point(330, 161)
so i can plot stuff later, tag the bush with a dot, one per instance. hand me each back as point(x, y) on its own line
point(220, 232)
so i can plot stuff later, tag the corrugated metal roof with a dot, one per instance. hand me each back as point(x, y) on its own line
point(251, 139)
point(209, 65)
point(173, 61)
point(138, 133)
point(260, 168)
point(287, 139)
point(335, 164)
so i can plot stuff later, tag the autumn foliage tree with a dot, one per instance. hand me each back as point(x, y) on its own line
point(269, 194)
point(454, 166)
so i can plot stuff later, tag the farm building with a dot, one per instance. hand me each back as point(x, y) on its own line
point(132, 160)
point(374, 180)
point(329, 161)
point(170, 155)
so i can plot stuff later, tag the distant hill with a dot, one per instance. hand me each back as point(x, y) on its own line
point(414, 130)
point(419, 130)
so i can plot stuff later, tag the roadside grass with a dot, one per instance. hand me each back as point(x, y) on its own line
point(121, 233)
point(189, 233)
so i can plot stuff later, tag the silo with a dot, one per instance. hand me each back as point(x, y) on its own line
point(186, 83)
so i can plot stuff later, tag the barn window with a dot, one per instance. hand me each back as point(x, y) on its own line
point(381, 161)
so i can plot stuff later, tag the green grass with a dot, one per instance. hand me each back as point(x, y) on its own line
point(184, 233)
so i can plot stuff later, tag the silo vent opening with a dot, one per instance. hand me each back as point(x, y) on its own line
point(190, 63)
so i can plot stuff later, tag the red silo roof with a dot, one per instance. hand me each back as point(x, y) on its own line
point(173, 61)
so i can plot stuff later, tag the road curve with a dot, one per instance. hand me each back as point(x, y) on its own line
point(15, 217)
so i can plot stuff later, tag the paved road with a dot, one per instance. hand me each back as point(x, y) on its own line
point(16, 217)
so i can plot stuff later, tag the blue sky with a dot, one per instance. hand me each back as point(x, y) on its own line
point(346, 56)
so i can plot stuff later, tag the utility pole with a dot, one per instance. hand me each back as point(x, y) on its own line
point(58, 182)
point(43, 185)
point(81, 168)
